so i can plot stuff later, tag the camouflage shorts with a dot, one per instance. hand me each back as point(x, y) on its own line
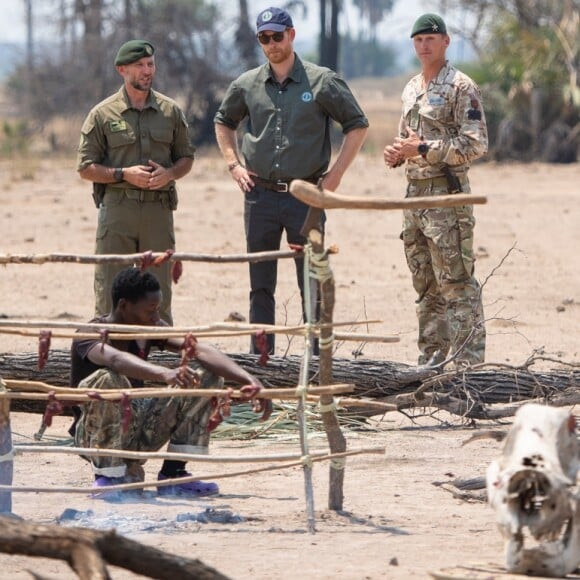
point(181, 421)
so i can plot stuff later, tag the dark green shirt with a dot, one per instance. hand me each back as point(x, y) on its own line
point(288, 129)
point(117, 135)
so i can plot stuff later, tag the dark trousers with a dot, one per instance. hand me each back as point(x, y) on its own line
point(266, 215)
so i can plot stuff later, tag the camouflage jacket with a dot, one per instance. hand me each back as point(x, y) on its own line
point(449, 116)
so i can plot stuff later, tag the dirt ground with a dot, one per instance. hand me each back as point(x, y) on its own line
point(396, 523)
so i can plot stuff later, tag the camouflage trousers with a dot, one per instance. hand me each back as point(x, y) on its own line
point(439, 251)
point(181, 421)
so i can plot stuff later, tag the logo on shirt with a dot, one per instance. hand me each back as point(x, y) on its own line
point(266, 16)
point(306, 96)
point(117, 126)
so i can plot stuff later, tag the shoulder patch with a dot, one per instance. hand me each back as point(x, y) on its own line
point(474, 112)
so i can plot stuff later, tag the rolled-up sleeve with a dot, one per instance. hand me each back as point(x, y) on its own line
point(233, 107)
point(340, 104)
point(92, 143)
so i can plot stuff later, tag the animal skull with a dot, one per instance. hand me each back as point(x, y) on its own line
point(532, 486)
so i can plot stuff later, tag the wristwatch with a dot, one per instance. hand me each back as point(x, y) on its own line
point(118, 174)
point(423, 149)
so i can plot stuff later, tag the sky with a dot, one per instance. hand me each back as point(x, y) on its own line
point(12, 27)
point(395, 27)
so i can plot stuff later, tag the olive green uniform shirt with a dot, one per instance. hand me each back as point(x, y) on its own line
point(288, 132)
point(117, 135)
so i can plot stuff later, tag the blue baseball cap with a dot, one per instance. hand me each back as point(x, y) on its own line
point(274, 19)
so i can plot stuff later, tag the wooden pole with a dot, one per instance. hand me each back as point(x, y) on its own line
point(202, 476)
point(6, 453)
point(323, 199)
point(86, 395)
point(301, 406)
point(131, 259)
point(81, 330)
point(320, 270)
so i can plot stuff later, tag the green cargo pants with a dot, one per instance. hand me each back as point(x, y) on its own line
point(133, 221)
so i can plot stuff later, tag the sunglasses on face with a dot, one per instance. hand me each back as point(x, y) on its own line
point(264, 38)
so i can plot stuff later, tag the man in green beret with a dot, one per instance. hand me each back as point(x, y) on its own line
point(441, 131)
point(134, 146)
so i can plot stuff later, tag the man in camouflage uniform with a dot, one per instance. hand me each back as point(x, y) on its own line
point(148, 423)
point(133, 147)
point(441, 131)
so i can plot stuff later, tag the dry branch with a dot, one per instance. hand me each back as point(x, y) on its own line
point(85, 550)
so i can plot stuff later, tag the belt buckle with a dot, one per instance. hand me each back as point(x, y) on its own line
point(282, 186)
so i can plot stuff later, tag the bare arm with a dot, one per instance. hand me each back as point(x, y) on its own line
point(228, 143)
point(152, 176)
point(217, 363)
point(351, 145)
point(222, 365)
point(134, 367)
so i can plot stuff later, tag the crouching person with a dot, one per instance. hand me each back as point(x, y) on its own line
point(149, 423)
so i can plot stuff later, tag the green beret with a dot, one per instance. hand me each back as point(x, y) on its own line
point(132, 51)
point(429, 24)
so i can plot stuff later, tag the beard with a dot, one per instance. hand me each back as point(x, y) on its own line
point(142, 85)
point(279, 54)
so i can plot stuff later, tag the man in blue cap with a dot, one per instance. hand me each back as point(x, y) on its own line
point(441, 131)
point(289, 104)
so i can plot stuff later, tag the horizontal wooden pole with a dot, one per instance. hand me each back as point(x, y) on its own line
point(324, 199)
point(82, 395)
point(136, 331)
point(130, 259)
point(210, 477)
point(139, 455)
point(339, 336)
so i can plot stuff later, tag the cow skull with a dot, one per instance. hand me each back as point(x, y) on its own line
point(532, 486)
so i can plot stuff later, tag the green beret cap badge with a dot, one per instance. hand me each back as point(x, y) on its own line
point(132, 51)
point(429, 24)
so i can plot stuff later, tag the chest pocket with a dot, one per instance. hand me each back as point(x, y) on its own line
point(161, 135)
point(438, 109)
point(121, 138)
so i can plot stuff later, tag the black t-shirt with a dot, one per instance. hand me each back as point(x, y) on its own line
point(82, 367)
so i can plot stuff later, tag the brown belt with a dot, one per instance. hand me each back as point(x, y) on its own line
point(279, 186)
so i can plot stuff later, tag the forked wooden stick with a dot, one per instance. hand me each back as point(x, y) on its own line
point(323, 199)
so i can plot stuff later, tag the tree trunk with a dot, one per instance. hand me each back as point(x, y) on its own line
point(466, 394)
point(86, 551)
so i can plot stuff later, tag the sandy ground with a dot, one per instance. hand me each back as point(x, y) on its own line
point(396, 524)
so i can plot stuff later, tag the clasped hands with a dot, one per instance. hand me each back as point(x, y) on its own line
point(402, 149)
point(152, 176)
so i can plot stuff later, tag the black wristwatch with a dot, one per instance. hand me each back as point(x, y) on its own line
point(423, 149)
point(118, 174)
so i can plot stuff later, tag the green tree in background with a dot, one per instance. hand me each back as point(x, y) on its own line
point(529, 62)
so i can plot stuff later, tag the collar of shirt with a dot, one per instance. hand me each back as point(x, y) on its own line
point(151, 100)
point(295, 74)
